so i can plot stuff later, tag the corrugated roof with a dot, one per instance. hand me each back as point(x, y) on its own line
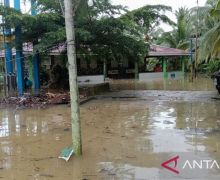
point(156, 50)
point(28, 49)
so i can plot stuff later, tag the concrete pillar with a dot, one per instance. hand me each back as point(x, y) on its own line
point(19, 54)
point(165, 74)
point(104, 69)
point(8, 57)
point(36, 57)
point(8, 49)
point(136, 74)
point(183, 65)
point(36, 72)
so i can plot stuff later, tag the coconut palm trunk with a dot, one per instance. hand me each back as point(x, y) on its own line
point(71, 53)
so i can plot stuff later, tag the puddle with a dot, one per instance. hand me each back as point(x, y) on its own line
point(122, 139)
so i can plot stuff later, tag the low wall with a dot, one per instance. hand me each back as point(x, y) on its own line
point(175, 75)
point(150, 76)
point(159, 76)
point(92, 79)
point(93, 89)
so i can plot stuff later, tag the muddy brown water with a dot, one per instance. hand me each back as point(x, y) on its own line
point(199, 84)
point(122, 138)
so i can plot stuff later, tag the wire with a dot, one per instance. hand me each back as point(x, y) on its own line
point(46, 50)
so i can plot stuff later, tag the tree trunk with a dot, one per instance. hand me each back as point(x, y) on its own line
point(196, 48)
point(71, 53)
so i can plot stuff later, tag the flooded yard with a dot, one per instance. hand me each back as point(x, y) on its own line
point(126, 136)
point(200, 84)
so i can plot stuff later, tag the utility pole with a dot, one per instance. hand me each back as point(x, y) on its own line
point(197, 26)
point(72, 66)
point(191, 60)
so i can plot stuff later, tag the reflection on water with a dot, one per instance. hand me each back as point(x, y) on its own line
point(160, 128)
point(126, 171)
point(162, 117)
point(12, 124)
point(201, 83)
point(121, 139)
point(29, 143)
point(4, 131)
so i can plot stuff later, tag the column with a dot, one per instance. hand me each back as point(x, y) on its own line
point(8, 49)
point(36, 57)
point(136, 75)
point(183, 65)
point(104, 69)
point(165, 74)
point(36, 72)
point(19, 54)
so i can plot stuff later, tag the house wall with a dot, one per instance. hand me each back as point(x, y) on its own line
point(177, 74)
point(92, 79)
point(151, 76)
point(159, 76)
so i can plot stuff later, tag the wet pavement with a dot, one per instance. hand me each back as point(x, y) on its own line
point(126, 135)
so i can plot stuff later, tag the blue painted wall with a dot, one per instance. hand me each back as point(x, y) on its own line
point(8, 49)
point(17, 5)
point(19, 54)
point(8, 56)
point(33, 9)
point(36, 70)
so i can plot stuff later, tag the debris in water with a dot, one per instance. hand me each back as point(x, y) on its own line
point(66, 129)
point(66, 153)
point(47, 175)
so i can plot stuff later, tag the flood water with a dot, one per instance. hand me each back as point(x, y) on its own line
point(123, 138)
point(200, 84)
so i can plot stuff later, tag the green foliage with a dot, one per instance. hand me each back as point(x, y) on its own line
point(152, 62)
point(104, 8)
point(178, 37)
point(182, 22)
point(59, 77)
point(48, 27)
point(103, 30)
point(207, 18)
point(102, 34)
point(147, 18)
point(210, 42)
point(44, 77)
point(210, 67)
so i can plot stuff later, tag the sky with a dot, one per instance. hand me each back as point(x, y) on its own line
point(134, 4)
point(175, 4)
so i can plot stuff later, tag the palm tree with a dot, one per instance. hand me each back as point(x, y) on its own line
point(178, 38)
point(210, 42)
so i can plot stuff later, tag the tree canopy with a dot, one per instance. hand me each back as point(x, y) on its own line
point(207, 19)
point(210, 41)
point(102, 29)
